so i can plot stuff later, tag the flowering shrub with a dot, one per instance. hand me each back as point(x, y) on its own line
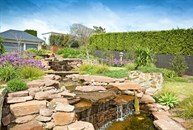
point(15, 64)
point(19, 59)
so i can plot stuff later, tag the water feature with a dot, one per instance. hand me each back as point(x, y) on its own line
point(109, 110)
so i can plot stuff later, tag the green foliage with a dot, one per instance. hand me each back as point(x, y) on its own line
point(187, 107)
point(7, 73)
point(149, 69)
point(38, 52)
point(161, 42)
point(73, 44)
point(179, 65)
point(144, 57)
point(59, 40)
point(2, 49)
point(16, 85)
point(130, 67)
point(32, 32)
point(168, 74)
point(69, 52)
point(167, 98)
point(116, 73)
point(30, 72)
point(93, 69)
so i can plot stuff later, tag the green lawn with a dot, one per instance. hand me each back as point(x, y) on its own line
point(181, 89)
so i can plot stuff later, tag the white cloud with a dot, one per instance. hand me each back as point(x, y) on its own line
point(54, 19)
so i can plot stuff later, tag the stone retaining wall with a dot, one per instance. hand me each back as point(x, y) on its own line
point(147, 80)
point(42, 106)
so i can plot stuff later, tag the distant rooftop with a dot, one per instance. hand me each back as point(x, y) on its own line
point(17, 34)
point(56, 33)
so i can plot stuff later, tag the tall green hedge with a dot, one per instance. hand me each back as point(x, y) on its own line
point(179, 41)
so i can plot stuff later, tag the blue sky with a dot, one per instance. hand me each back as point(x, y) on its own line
point(114, 15)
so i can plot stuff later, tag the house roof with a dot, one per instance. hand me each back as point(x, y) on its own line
point(16, 34)
point(56, 33)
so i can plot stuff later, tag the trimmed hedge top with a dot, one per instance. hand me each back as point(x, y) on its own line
point(179, 41)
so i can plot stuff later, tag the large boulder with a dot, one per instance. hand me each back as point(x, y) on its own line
point(63, 118)
point(27, 108)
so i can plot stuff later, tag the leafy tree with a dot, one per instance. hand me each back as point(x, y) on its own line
point(81, 33)
point(32, 32)
point(59, 40)
point(99, 29)
point(2, 49)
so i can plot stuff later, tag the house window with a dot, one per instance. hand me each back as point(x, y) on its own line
point(31, 46)
point(13, 46)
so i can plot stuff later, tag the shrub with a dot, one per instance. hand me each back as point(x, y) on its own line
point(19, 59)
point(30, 72)
point(179, 65)
point(144, 57)
point(168, 73)
point(130, 67)
point(7, 73)
point(162, 42)
point(167, 98)
point(187, 107)
point(16, 85)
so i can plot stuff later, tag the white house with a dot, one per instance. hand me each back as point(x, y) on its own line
point(20, 40)
point(47, 35)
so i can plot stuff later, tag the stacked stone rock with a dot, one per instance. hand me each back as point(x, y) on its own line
point(46, 106)
point(65, 64)
point(145, 84)
point(147, 80)
point(42, 106)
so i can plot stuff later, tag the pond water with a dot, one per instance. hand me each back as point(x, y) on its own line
point(143, 121)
